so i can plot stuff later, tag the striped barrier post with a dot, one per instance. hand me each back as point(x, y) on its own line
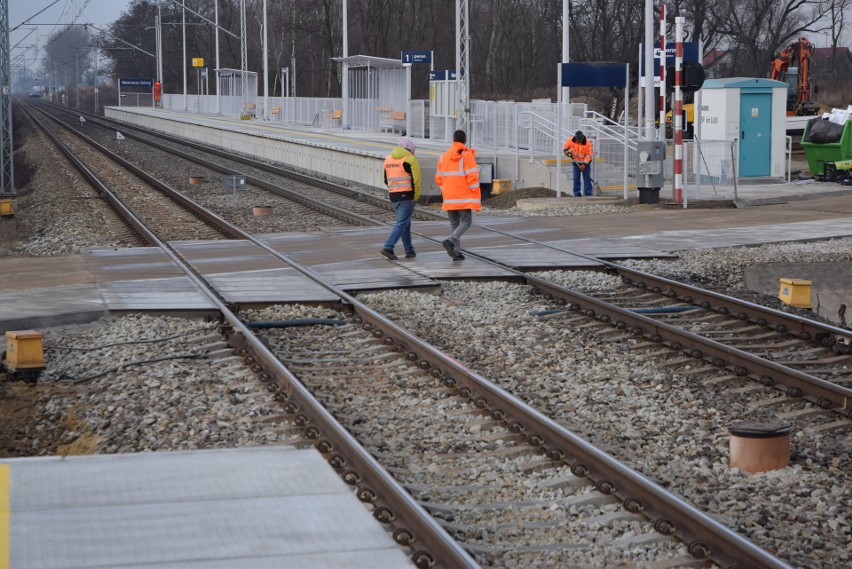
point(662, 135)
point(677, 112)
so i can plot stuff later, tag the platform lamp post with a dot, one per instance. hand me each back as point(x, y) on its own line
point(345, 66)
point(649, 70)
point(266, 64)
point(7, 177)
point(566, 36)
point(216, 25)
point(96, 82)
point(216, 20)
point(183, 6)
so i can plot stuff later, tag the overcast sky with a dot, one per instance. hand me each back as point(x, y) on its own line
point(27, 41)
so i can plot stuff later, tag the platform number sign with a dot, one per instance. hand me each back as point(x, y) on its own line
point(411, 57)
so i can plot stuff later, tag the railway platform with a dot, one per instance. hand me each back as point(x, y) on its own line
point(270, 507)
point(355, 157)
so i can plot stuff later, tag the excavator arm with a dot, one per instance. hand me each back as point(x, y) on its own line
point(800, 54)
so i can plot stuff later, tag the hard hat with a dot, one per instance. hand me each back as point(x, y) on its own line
point(407, 143)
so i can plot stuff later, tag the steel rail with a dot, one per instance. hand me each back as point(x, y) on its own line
point(671, 515)
point(199, 212)
point(133, 223)
point(793, 382)
point(802, 328)
point(825, 394)
point(326, 185)
point(413, 526)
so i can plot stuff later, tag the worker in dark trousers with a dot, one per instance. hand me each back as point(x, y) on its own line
point(458, 178)
point(402, 177)
point(579, 149)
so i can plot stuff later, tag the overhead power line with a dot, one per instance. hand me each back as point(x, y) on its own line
point(34, 15)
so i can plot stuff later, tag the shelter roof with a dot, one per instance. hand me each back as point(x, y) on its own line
point(369, 61)
point(742, 82)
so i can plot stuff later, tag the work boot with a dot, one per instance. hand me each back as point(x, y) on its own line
point(410, 254)
point(451, 249)
point(389, 254)
point(458, 257)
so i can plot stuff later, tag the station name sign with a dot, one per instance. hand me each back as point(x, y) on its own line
point(135, 83)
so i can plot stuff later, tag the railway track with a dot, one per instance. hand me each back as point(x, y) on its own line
point(349, 205)
point(516, 431)
point(145, 204)
point(801, 357)
point(498, 496)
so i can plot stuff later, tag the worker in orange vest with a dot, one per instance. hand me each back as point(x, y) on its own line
point(402, 177)
point(458, 178)
point(579, 149)
point(158, 91)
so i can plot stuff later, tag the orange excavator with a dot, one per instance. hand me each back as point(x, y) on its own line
point(792, 66)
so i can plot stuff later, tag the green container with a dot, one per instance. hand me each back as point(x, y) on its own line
point(819, 154)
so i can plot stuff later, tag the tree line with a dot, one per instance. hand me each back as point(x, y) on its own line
point(515, 45)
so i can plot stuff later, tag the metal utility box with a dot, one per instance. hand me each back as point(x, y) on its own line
point(501, 187)
point(6, 209)
point(652, 157)
point(796, 292)
point(24, 350)
point(753, 112)
point(237, 182)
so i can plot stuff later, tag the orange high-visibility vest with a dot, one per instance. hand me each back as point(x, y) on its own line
point(458, 177)
point(398, 179)
point(579, 152)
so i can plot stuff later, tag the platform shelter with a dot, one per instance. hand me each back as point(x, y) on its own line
point(230, 83)
point(379, 90)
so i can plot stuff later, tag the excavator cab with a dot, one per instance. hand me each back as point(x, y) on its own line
point(795, 108)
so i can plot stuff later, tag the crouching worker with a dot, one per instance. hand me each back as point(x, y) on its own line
point(579, 149)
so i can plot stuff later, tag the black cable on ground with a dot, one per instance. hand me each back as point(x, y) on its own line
point(69, 379)
point(297, 322)
point(155, 340)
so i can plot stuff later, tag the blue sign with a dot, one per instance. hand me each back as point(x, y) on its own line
point(416, 57)
point(448, 74)
point(690, 53)
point(135, 83)
point(594, 74)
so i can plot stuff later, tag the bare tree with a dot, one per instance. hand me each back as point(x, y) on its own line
point(755, 30)
point(68, 56)
point(514, 44)
point(837, 26)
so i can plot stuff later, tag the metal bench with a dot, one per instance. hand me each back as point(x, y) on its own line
point(394, 122)
point(330, 117)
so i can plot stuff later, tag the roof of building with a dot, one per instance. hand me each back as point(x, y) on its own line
point(369, 61)
point(742, 82)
